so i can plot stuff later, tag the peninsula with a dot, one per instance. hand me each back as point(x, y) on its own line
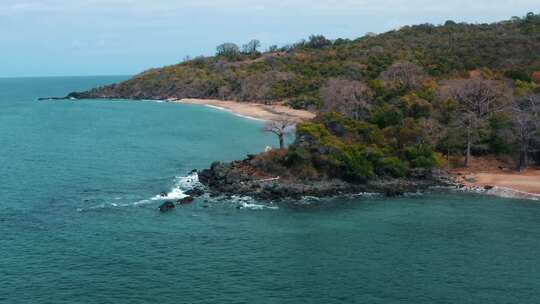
point(387, 112)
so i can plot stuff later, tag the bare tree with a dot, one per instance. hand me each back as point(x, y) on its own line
point(273, 48)
point(403, 74)
point(251, 47)
point(348, 97)
point(525, 126)
point(228, 50)
point(280, 128)
point(477, 100)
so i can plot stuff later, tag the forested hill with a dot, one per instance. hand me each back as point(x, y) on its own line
point(302, 72)
point(389, 104)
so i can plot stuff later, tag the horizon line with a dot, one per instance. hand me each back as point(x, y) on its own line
point(66, 76)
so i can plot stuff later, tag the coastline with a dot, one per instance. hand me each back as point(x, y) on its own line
point(252, 110)
point(522, 185)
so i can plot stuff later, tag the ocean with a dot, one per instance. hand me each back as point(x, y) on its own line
point(79, 218)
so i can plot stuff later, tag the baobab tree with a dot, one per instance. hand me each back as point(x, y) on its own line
point(477, 100)
point(280, 128)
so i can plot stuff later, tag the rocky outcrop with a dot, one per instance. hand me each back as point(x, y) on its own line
point(239, 178)
point(166, 206)
point(195, 192)
point(186, 200)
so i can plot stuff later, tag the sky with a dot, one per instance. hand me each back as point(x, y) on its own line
point(125, 37)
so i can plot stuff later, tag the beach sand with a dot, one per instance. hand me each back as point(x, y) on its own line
point(528, 181)
point(513, 184)
point(499, 172)
point(254, 110)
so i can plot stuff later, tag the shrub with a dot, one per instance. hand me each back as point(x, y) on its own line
point(390, 166)
point(314, 130)
point(385, 116)
point(417, 107)
point(305, 102)
point(356, 166)
point(318, 41)
point(536, 77)
point(518, 75)
point(421, 156)
point(524, 87)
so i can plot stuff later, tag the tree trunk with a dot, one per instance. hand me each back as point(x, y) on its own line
point(281, 141)
point(521, 164)
point(523, 158)
point(468, 152)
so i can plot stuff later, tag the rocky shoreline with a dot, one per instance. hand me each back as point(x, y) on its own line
point(234, 179)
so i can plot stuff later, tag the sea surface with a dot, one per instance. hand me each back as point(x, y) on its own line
point(79, 220)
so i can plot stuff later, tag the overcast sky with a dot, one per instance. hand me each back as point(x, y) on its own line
point(121, 37)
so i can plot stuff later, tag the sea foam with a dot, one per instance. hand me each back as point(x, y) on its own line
point(181, 184)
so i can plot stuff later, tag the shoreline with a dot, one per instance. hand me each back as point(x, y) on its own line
point(252, 110)
point(520, 185)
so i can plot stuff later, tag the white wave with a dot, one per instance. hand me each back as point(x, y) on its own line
point(413, 194)
point(182, 184)
point(217, 108)
point(310, 198)
point(512, 193)
point(234, 113)
point(366, 194)
point(254, 206)
point(247, 202)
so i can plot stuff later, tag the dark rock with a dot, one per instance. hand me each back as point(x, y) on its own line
point(393, 192)
point(195, 192)
point(205, 176)
point(163, 194)
point(488, 187)
point(421, 173)
point(185, 201)
point(166, 206)
point(244, 178)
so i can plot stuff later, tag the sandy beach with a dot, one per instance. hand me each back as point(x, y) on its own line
point(525, 185)
point(254, 110)
point(527, 182)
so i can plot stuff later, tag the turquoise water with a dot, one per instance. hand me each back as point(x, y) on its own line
point(78, 223)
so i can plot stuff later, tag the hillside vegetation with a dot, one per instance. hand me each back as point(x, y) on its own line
point(389, 104)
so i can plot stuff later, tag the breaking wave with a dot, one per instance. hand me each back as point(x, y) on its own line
point(247, 202)
point(182, 184)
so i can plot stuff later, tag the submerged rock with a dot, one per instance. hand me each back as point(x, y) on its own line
point(166, 206)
